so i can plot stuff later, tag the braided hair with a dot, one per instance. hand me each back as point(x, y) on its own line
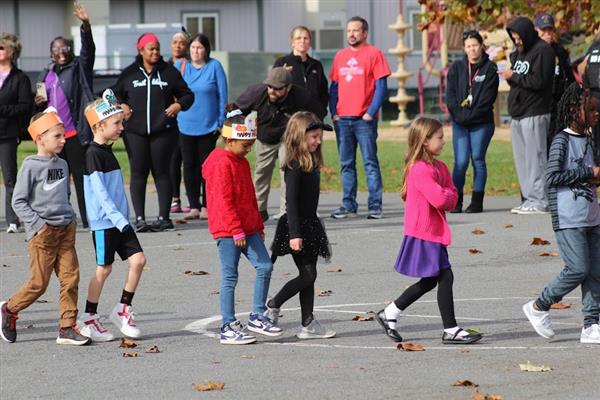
point(573, 99)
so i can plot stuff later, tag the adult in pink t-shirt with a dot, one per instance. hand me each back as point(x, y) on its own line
point(358, 88)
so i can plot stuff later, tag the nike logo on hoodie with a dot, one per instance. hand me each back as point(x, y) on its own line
point(54, 174)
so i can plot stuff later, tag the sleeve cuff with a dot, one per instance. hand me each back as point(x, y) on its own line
point(239, 236)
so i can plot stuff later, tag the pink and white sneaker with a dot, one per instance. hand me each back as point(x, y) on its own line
point(90, 326)
point(122, 316)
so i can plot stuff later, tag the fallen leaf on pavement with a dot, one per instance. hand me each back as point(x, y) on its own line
point(248, 357)
point(22, 328)
point(477, 232)
point(536, 241)
point(152, 349)
point(465, 383)
point(5, 266)
point(508, 226)
point(475, 251)
point(130, 354)
point(128, 343)
point(361, 318)
point(550, 254)
point(198, 272)
point(177, 248)
point(560, 306)
point(465, 350)
point(529, 367)
point(207, 387)
point(42, 301)
point(180, 221)
point(334, 270)
point(323, 292)
point(473, 330)
point(215, 292)
point(408, 346)
point(478, 396)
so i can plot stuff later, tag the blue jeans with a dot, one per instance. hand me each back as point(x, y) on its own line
point(470, 143)
point(580, 250)
point(350, 131)
point(229, 254)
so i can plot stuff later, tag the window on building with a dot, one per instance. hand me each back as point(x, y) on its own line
point(206, 23)
point(331, 39)
point(416, 38)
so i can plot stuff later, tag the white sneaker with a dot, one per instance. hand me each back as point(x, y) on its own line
point(540, 320)
point(122, 316)
point(12, 228)
point(90, 326)
point(314, 330)
point(591, 334)
point(233, 333)
point(532, 210)
point(515, 210)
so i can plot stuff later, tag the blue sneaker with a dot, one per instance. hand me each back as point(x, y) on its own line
point(263, 325)
point(342, 213)
point(233, 333)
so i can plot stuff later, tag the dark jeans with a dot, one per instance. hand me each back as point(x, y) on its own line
point(8, 162)
point(74, 154)
point(445, 298)
point(470, 144)
point(150, 153)
point(350, 132)
point(304, 284)
point(195, 150)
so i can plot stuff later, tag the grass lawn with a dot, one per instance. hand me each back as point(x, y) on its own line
point(502, 179)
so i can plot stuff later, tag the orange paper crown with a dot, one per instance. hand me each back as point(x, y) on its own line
point(108, 107)
point(245, 131)
point(45, 122)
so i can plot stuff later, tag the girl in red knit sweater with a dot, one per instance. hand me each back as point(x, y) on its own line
point(428, 191)
point(236, 225)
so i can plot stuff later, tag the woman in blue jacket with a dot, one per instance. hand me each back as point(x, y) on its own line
point(470, 96)
point(200, 125)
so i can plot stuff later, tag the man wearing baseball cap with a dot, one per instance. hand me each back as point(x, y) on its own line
point(563, 74)
point(275, 100)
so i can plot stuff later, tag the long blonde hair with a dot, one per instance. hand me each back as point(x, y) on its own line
point(295, 142)
point(419, 131)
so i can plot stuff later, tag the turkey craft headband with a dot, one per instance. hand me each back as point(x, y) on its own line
point(45, 122)
point(108, 107)
point(245, 131)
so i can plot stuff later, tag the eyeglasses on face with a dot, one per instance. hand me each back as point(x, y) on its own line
point(61, 49)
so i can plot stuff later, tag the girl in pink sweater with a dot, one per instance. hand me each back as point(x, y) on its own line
point(428, 191)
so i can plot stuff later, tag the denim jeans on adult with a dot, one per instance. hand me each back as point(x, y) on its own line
point(229, 254)
point(350, 131)
point(580, 250)
point(470, 143)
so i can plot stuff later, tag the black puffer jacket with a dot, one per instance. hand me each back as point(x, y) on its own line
point(16, 104)
point(533, 73)
point(76, 81)
point(484, 76)
point(149, 95)
point(308, 74)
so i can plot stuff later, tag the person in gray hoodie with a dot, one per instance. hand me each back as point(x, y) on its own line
point(41, 201)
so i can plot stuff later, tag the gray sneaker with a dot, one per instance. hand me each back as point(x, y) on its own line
point(72, 336)
point(315, 331)
point(272, 313)
point(342, 213)
point(515, 210)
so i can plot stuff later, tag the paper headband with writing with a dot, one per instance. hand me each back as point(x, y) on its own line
point(245, 131)
point(108, 107)
point(45, 122)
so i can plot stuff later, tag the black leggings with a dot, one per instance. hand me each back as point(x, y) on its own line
point(445, 298)
point(8, 162)
point(175, 172)
point(150, 153)
point(304, 284)
point(194, 151)
point(74, 154)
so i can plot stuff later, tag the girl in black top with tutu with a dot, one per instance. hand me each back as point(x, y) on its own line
point(300, 232)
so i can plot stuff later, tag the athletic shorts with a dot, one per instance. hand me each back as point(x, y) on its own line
point(109, 241)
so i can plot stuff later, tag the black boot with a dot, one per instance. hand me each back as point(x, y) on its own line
point(458, 207)
point(476, 205)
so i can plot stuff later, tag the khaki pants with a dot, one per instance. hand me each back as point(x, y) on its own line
point(266, 154)
point(51, 251)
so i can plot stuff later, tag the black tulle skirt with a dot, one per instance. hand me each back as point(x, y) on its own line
point(314, 238)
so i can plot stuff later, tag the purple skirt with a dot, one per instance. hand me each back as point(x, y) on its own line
point(421, 259)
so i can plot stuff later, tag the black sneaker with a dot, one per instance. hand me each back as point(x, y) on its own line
point(72, 336)
point(162, 225)
point(141, 225)
point(9, 324)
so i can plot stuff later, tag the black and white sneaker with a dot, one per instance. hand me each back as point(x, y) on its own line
point(162, 225)
point(141, 225)
point(72, 336)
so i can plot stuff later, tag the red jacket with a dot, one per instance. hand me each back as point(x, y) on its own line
point(230, 196)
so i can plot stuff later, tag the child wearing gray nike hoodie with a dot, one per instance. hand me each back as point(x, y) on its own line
point(41, 201)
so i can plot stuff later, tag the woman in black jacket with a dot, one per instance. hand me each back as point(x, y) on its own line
point(306, 71)
point(470, 96)
point(152, 93)
point(16, 102)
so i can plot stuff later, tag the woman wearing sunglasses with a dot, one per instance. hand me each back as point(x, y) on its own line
point(470, 96)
